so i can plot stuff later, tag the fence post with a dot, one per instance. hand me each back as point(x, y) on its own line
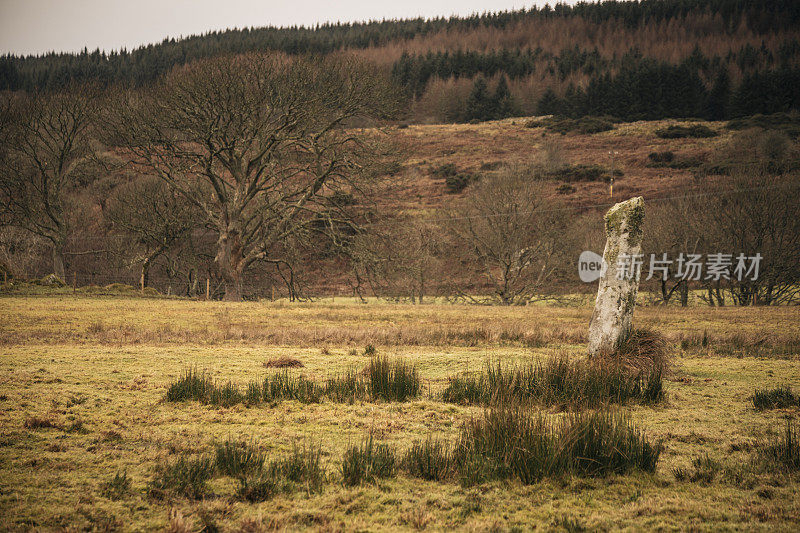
point(74, 282)
point(273, 294)
point(141, 281)
point(208, 288)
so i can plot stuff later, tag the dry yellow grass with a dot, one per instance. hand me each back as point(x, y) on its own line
point(98, 370)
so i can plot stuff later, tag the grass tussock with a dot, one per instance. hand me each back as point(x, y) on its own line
point(643, 349)
point(237, 459)
point(392, 379)
point(557, 381)
point(39, 422)
point(783, 345)
point(384, 379)
point(186, 476)
point(704, 470)
point(260, 479)
point(283, 362)
point(117, 487)
point(783, 450)
point(431, 459)
point(517, 443)
point(367, 462)
point(777, 398)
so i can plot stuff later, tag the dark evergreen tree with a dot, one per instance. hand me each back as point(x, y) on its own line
point(550, 104)
point(480, 105)
point(503, 100)
point(719, 97)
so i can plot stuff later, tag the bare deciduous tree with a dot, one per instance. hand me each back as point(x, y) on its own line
point(508, 230)
point(153, 215)
point(257, 143)
point(399, 258)
point(47, 152)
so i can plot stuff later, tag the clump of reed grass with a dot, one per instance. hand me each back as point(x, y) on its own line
point(557, 381)
point(286, 386)
point(191, 385)
point(260, 480)
point(392, 379)
point(367, 462)
point(783, 450)
point(704, 470)
point(777, 398)
point(238, 459)
point(303, 466)
point(430, 459)
point(384, 379)
point(185, 476)
point(514, 442)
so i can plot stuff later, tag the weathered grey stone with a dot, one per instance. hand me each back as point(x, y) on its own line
point(616, 295)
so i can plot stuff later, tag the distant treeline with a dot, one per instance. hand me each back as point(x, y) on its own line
point(142, 65)
point(615, 58)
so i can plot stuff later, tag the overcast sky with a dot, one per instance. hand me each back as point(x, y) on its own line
point(39, 26)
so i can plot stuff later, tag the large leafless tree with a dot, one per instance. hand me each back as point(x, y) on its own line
point(46, 153)
point(257, 143)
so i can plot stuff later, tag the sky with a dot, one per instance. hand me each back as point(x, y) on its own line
point(40, 26)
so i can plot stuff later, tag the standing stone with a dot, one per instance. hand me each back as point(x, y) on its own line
point(616, 295)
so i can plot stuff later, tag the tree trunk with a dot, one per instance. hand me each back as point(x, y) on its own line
point(58, 260)
point(684, 293)
point(145, 281)
point(230, 263)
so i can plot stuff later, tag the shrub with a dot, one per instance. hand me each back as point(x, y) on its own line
point(661, 157)
point(185, 476)
point(459, 182)
point(239, 459)
point(573, 173)
point(585, 125)
point(789, 123)
point(565, 188)
point(429, 460)
point(679, 132)
point(445, 170)
point(778, 398)
point(365, 463)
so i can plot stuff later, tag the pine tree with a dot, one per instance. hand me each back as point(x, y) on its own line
point(550, 104)
point(719, 97)
point(480, 106)
point(503, 101)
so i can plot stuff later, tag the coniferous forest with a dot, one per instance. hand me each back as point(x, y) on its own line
point(715, 59)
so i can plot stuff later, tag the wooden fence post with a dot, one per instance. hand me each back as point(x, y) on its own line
point(141, 282)
point(208, 288)
point(74, 282)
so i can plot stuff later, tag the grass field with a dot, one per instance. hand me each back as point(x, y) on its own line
point(96, 371)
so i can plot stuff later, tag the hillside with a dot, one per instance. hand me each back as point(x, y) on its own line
point(634, 60)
